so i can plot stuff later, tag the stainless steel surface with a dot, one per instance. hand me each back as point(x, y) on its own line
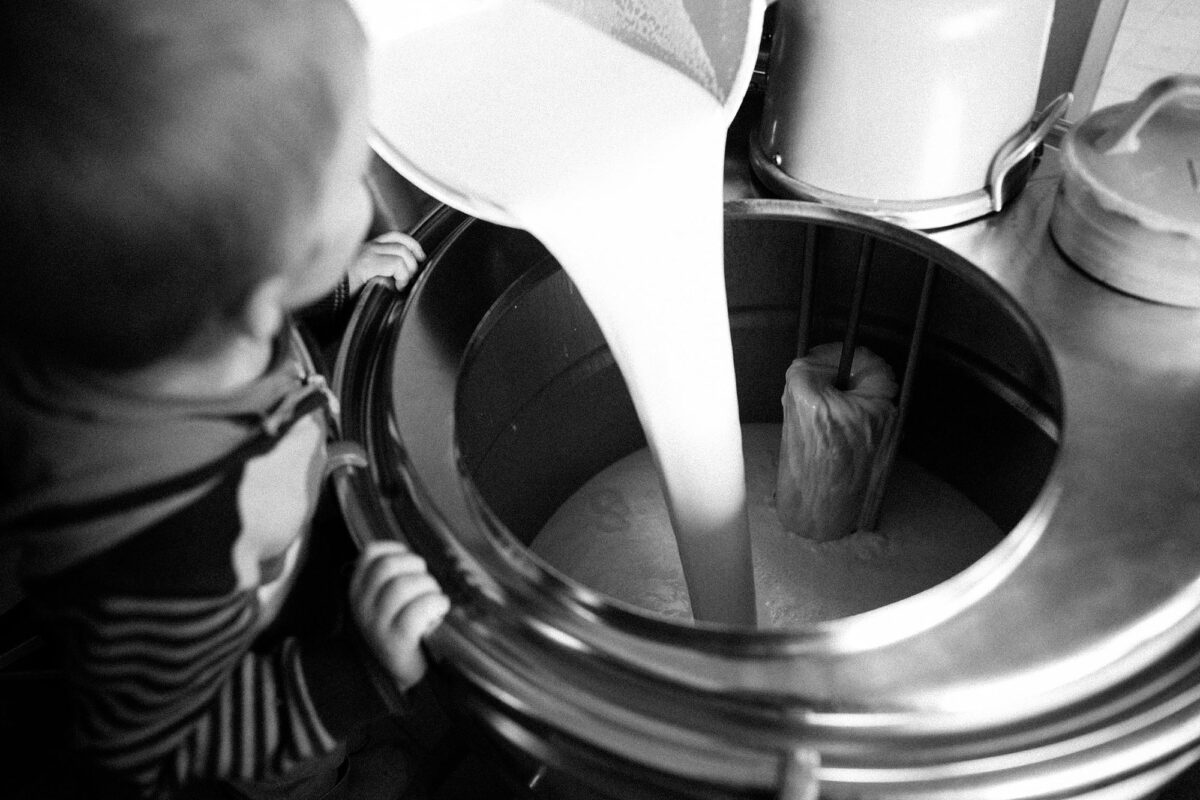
point(1063, 664)
point(1129, 472)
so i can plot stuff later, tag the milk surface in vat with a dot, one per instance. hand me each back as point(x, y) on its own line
point(613, 159)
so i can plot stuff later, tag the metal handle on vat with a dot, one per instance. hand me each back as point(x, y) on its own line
point(1017, 148)
point(344, 458)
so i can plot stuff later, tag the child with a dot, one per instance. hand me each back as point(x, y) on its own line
point(179, 177)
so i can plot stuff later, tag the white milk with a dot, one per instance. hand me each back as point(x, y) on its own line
point(613, 536)
point(623, 184)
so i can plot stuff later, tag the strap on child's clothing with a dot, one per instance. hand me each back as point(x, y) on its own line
point(310, 394)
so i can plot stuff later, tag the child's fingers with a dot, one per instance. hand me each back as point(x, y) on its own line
point(381, 548)
point(418, 615)
point(396, 237)
point(399, 642)
point(396, 602)
point(398, 590)
point(389, 260)
point(384, 257)
point(391, 583)
point(379, 561)
point(387, 581)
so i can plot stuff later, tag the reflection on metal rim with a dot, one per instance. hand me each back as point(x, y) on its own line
point(917, 214)
point(1062, 665)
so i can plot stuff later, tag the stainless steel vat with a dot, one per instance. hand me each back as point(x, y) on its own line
point(1061, 665)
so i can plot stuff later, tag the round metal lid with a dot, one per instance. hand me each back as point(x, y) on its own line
point(1128, 211)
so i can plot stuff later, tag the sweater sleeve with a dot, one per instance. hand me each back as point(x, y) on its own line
point(174, 681)
point(170, 691)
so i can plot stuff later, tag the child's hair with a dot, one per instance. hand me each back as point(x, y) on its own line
point(152, 155)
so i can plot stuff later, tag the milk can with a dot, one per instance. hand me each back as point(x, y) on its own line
point(1126, 211)
point(894, 103)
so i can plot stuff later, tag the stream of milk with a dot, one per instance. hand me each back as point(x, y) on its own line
point(614, 161)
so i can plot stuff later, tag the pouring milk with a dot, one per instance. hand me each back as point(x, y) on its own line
point(522, 113)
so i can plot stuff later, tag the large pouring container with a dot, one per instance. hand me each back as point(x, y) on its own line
point(900, 101)
point(711, 42)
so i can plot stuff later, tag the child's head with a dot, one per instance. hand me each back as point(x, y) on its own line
point(161, 159)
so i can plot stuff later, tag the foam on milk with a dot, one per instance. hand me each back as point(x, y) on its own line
point(624, 186)
point(612, 535)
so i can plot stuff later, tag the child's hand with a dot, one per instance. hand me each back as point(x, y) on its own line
point(393, 255)
point(396, 603)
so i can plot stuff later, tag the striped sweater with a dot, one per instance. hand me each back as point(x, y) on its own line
point(162, 541)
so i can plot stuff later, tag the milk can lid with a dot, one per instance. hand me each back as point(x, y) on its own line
point(1142, 159)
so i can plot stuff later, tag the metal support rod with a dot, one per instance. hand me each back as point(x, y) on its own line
point(850, 340)
point(807, 279)
point(886, 458)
